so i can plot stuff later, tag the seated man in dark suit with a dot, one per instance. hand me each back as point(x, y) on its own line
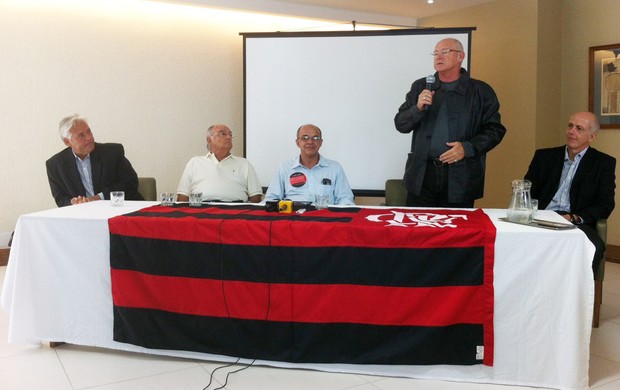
point(86, 170)
point(576, 180)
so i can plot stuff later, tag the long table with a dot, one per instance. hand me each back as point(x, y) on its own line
point(58, 288)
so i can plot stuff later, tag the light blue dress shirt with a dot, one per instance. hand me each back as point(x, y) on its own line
point(85, 170)
point(86, 174)
point(295, 182)
point(561, 199)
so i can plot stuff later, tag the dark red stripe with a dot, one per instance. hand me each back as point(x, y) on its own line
point(190, 229)
point(307, 303)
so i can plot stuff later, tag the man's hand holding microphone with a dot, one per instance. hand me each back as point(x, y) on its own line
point(425, 98)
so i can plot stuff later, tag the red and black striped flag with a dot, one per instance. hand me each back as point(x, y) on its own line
point(356, 285)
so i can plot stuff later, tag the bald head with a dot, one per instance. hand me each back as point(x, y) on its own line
point(589, 118)
point(308, 127)
point(452, 43)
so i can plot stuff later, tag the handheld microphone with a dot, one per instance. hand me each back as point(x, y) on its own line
point(430, 80)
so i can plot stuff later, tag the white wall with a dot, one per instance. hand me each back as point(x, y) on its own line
point(149, 75)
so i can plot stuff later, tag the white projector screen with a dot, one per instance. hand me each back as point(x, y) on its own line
point(349, 84)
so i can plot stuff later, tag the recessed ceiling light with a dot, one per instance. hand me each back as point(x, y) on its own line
point(430, 1)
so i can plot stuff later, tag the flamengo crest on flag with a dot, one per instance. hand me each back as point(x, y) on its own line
point(413, 219)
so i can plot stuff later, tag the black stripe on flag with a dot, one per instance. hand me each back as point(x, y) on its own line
point(339, 343)
point(415, 267)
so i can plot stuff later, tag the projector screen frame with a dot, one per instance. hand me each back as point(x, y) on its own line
point(439, 32)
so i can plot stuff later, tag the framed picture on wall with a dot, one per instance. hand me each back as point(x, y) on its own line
point(604, 96)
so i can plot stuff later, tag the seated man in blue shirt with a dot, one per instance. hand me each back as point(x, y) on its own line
point(576, 180)
point(309, 174)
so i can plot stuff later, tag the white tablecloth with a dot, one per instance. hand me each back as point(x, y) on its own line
point(57, 288)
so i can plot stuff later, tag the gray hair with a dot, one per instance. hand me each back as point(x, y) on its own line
point(210, 134)
point(595, 125)
point(66, 125)
point(459, 45)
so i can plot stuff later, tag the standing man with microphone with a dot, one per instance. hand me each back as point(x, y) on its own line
point(455, 121)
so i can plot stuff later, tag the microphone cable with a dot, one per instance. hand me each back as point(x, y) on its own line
point(211, 377)
point(218, 368)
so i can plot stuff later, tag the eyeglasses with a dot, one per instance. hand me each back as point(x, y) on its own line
point(224, 134)
point(444, 52)
point(307, 138)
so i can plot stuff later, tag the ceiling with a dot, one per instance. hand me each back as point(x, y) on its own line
point(402, 8)
point(388, 12)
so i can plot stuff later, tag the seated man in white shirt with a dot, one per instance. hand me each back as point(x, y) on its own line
point(310, 173)
point(219, 175)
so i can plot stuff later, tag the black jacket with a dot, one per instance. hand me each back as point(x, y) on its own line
point(111, 171)
point(592, 190)
point(474, 120)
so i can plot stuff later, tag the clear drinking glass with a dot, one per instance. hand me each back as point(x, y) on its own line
point(195, 199)
point(534, 207)
point(321, 201)
point(167, 198)
point(117, 198)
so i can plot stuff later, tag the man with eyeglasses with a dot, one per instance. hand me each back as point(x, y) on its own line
point(310, 173)
point(455, 121)
point(87, 171)
point(220, 176)
point(576, 180)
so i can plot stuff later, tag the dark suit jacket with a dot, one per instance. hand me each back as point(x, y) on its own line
point(593, 186)
point(111, 171)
